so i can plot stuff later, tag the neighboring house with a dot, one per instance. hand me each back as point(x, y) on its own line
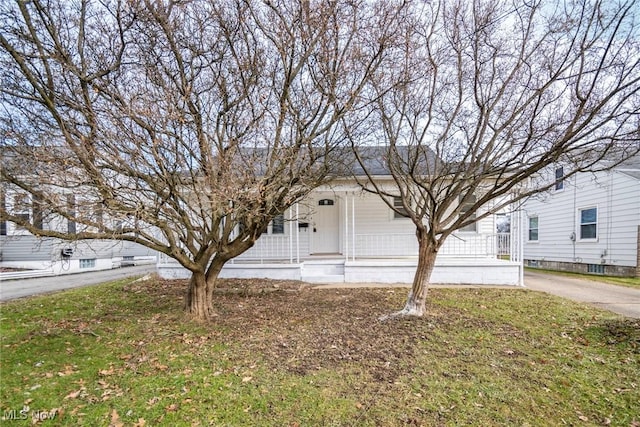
point(589, 223)
point(20, 250)
point(340, 233)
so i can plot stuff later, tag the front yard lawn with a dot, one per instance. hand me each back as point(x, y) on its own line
point(284, 355)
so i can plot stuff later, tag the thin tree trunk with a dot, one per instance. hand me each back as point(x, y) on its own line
point(417, 299)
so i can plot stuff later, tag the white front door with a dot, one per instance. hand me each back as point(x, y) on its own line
point(325, 238)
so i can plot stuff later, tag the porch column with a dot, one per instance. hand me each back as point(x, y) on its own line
point(297, 235)
point(353, 226)
point(290, 236)
point(346, 227)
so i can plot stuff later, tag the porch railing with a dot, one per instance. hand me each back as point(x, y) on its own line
point(479, 245)
point(269, 247)
point(279, 247)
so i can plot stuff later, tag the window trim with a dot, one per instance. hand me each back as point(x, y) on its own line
point(580, 224)
point(537, 239)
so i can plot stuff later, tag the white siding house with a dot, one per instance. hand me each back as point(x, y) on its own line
point(589, 223)
point(342, 234)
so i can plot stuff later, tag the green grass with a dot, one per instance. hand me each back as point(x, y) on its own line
point(631, 282)
point(122, 354)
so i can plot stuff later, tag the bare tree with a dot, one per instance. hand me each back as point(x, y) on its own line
point(487, 96)
point(185, 126)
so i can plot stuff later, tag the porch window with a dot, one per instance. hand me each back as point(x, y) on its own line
point(588, 223)
point(400, 211)
point(466, 206)
point(533, 228)
point(277, 224)
point(559, 178)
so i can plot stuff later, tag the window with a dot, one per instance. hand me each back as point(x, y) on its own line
point(88, 263)
point(277, 225)
point(533, 228)
point(588, 223)
point(465, 209)
point(22, 209)
point(71, 210)
point(559, 180)
point(38, 214)
point(400, 211)
point(595, 268)
point(98, 217)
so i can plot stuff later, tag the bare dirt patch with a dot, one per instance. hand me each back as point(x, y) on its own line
point(296, 328)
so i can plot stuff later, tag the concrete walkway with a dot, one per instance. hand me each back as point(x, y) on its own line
point(619, 299)
point(12, 289)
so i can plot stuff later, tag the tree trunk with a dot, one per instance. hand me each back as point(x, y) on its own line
point(417, 299)
point(199, 298)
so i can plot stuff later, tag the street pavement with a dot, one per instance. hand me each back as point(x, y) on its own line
point(18, 288)
point(619, 299)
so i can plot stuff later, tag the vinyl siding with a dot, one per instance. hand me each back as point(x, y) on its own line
point(26, 248)
point(31, 248)
point(617, 198)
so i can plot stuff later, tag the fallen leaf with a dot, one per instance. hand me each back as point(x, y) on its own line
point(73, 394)
point(115, 419)
point(141, 423)
point(106, 372)
point(153, 400)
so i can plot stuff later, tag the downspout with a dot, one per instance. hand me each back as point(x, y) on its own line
point(574, 233)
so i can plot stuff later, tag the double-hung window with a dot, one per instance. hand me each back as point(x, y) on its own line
point(277, 224)
point(398, 209)
point(559, 178)
point(465, 210)
point(533, 229)
point(588, 223)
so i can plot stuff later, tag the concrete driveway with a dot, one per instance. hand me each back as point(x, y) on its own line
point(619, 299)
point(12, 289)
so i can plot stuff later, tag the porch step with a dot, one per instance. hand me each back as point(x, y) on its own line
point(321, 271)
point(327, 278)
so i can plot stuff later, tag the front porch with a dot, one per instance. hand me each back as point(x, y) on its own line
point(343, 235)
